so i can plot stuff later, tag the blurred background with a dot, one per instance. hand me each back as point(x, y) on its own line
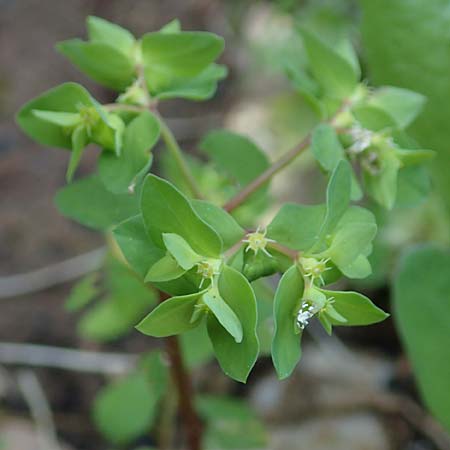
point(353, 391)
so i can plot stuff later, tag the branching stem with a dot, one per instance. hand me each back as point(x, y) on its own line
point(258, 182)
point(280, 164)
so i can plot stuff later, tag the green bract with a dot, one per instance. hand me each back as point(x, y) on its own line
point(68, 117)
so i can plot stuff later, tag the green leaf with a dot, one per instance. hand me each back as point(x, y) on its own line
point(353, 236)
point(218, 219)
point(286, 351)
point(224, 314)
point(62, 119)
point(171, 57)
point(174, 26)
point(373, 118)
point(126, 409)
point(136, 245)
point(326, 147)
point(196, 346)
point(171, 317)
point(126, 300)
point(166, 269)
point(166, 210)
point(413, 186)
point(414, 156)
point(356, 308)
point(338, 197)
point(335, 74)
point(297, 226)
point(120, 174)
point(230, 423)
point(201, 87)
point(142, 253)
point(100, 30)
point(79, 142)
point(382, 186)
point(88, 202)
point(402, 105)
point(82, 293)
point(359, 268)
point(181, 251)
point(100, 61)
point(236, 359)
point(65, 98)
point(421, 310)
point(236, 155)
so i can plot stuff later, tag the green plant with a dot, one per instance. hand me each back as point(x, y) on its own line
point(193, 245)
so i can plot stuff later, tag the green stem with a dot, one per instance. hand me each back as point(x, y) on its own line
point(177, 154)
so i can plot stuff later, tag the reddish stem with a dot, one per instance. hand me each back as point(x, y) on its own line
point(182, 380)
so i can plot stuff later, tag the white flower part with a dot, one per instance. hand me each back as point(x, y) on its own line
point(306, 312)
point(257, 241)
point(362, 138)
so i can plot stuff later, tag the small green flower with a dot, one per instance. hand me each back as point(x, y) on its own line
point(257, 241)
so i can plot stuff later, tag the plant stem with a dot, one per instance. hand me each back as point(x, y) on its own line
point(177, 154)
point(282, 162)
point(258, 182)
point(183, 383)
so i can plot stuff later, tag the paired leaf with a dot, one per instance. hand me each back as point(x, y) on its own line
point(286, 351)
point(171, 317)
point(353, 237)
point(201, 87)
point(296, 226)
point(136, 245)
point(181, 251)
point(223, 223)
point(236, 155)
point(355, 308)
point(100, 61)
point(326, 147)
point(166, 210)
point(47, 128)
point(236, 359)
point(100, 30)
point(336, 75)
point(88, 202)
point(401, 104)
point(166, 269)
point(173, 58)
point(121, 173)
point(338, 197)
point(142, 253)
point(79, 142)
point(224, 314)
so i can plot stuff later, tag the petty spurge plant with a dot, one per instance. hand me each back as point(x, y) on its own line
point(182, 244)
